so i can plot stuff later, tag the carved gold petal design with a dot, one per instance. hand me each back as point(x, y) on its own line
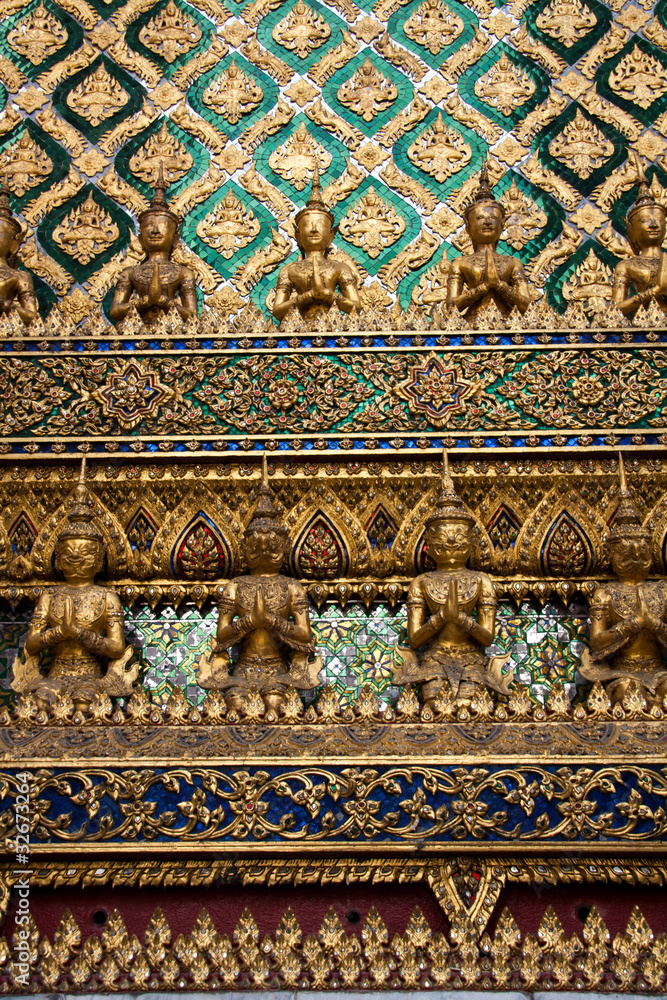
point(433, 25)
point(171, 33)
point(566, 20)
point(37, 36)
point(24, 164)
point(581, 146)
point(590, 284)
point(524, 219)
point(301, 30)
point(504, 86)
point(294, 160)
point(372, 224)
point(86, 231)
point(367, 92)
point(164, 150)
point(440, 150)
point(229, 227)
point(233, 94)
point(639, 77)
point(98, 97)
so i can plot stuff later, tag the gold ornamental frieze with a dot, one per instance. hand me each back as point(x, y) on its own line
point(294, 160)
point(440, 150)
point(229, 227)
point(639, 78)
point(171, 33)
point(24, 165)
point(434, 26)
point(368, 91)
point(233, 94)
point(372, 223)
point(86, 231)
point(504, 86)
point(161, 149)
point(301, 31)
point(581, 146)
point(566, 21)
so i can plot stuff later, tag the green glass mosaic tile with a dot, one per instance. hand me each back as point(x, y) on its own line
point(356, 645)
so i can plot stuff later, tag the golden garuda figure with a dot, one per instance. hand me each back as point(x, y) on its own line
point(77, 625)
point(266, 615)
point(628, 634)
point(158, 284)
point(646, 271)
point(311, 283)
point(17, 292)
point(485, 276)
point(451, 611)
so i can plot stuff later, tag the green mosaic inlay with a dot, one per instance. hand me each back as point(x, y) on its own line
point(356, 645)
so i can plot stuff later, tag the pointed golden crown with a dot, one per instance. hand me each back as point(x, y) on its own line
point(265, 515)
point(627, 522)
point(644, 197)
point(158, 205)
point(448, 506)
point(80, 516)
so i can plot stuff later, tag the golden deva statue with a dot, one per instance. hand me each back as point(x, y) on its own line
point(646, 271)
point(17, 292)
point(266, 615)
point(157, 284)
point(485, 276)
point(628, 615)
point(440, 611)
point(311, 283)
point(78, 623)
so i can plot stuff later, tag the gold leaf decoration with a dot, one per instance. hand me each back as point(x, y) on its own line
point(229, 228)
point(367, 92)
point(98, 97)
point(24, 165)
point(294, 160)
point(301, 31)
point(566, 21)
point(170, 33)
point(440, 150)
point(434, 26)
point(581, 146)
point(372, 224)
point(37, 36)
point(504, 86)
point(233, 94)
point(161, 149)
point(86, 231)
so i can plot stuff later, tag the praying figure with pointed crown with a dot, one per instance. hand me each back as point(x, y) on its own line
point(628, 633)
point(17, 292)
point(485, 276)
point(441, 604)
point(79, 624)
point(642, 279)
point(311, 284)
point(158, 284)
point(265, 615)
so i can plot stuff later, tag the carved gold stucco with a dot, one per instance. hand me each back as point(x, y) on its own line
point(581, 146)
point(294, 159)
point(24, 165)
point(171, 33)
point(440, 150)
point(233, 94)
point(301, 30)
point(98, 97)
point(161, 149)
point(86, 231)
point(372, 224)
point(38, 35)
point(229, 227)
point(434, 26)
point(368, 91)
point(504, 86)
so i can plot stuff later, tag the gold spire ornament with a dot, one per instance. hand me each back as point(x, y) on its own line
point(311, 284)
point(440, 607)
point(266, 615)
point(642, 278)
point(17, 292)
point(485, 277)
point(628, 633)
point(158, 284)
point(80, 623)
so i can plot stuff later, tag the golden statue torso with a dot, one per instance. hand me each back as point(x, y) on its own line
point(471, 270)
point(299, 278)
point(95, 608)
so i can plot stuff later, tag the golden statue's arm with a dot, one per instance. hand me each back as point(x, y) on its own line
point(421, 625)
point(620, 294)
point(230, 628)
point(349, 300)
point(122, 296)
point(111, 645)
point(609, 639)
point(284, 299)
point(296, 634)
point(27, 300)
point(187, 307)
point(458, 293)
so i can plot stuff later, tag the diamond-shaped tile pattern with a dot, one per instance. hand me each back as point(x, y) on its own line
point(557, 91)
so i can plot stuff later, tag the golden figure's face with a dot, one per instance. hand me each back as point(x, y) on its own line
point(647, 227)
point(631, 555)
point(314, 231)
point(157, 233)
point(449, 544)
point(79, 557)
point(265, 550)
point(485, 224)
